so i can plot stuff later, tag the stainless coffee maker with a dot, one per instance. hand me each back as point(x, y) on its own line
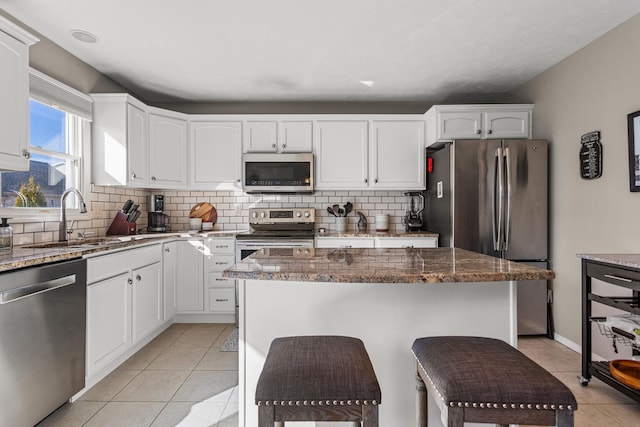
point(413, 216)
point(158, 220)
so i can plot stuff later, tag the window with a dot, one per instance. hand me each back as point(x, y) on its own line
point(58, 137)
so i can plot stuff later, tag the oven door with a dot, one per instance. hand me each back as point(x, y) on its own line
point(244, 248)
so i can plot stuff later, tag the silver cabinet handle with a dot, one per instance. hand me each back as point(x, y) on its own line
point(222, 246)
point(375, 180)
point(138, 277)
point(222, 299)
point(284, 146)
point(273, 145)
point(26, 154)
point(133, 176)
point(366, 180)
point(153, 178)
point(167, 250)
point(479, 131)
point(489, 131)
point(130, 280)
point(221, 262)
point(611, 276)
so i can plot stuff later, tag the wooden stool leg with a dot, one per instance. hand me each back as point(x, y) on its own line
point(455, 417)
point(422, 415)
point(370, 416)
point(564, 418)
point(266, 415)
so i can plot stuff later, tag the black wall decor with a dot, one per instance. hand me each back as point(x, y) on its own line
point(633, 125)
point(590, 155)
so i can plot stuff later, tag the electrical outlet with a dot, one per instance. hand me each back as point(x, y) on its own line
point(439, 189)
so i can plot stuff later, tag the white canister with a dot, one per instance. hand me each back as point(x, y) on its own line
point(195, 223)
point(341, 224)
point(382, 222)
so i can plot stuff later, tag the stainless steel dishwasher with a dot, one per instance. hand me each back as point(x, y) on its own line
point(42, 340)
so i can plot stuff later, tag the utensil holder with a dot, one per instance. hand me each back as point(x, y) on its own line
point(341, 224)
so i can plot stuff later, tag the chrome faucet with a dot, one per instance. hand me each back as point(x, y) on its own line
point(62, 229)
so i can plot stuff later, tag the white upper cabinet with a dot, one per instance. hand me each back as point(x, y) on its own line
point(398, 154)
point(342, 154)
point(386, 152)
point(486, 121)
point(167, 149)
point(215, 154)
point(120, 141)
point(273, 136)
point(14, 101)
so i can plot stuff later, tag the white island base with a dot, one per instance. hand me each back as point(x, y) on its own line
point(386, 317)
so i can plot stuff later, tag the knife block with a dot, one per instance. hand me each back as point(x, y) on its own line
point(120, 226)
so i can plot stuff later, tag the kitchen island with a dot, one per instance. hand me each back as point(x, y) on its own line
point(385, 297)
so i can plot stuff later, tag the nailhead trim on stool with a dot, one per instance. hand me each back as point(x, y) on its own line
point(488, 379)
point(313, 378)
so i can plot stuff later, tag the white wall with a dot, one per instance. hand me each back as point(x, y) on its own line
point(593, 89)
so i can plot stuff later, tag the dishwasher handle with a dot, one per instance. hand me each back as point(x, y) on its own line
point(36, 288)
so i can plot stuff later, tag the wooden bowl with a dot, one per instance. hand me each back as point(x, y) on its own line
point(626, 371)
point(204, 210)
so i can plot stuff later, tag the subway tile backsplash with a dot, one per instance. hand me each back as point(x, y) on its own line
point(232, 207)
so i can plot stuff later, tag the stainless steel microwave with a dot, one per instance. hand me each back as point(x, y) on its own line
point(277, 172)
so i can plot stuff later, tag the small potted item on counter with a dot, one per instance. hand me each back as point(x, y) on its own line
point(6, 236)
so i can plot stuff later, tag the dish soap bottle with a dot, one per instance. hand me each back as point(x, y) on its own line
point(6, 237)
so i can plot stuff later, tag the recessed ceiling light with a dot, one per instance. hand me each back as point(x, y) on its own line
point(83, 36)
point(368, 83)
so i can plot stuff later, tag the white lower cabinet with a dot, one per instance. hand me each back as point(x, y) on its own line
point(189, 271)
point(124, 303)
point(108, 321)
point(200, 287)
point(169, 278)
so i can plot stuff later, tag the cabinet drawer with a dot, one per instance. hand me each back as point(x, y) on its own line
point(400, 242)
point(105, 266)
point(222, 300)
point(337, 242)
point(618, 276)
point(222, 246)
point(220, 262)
point(216, 279)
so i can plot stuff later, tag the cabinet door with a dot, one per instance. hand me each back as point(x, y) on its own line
point(137, 143)
point(167, 151)
point(507, 124)
point(260, 137)
point(398, 155)
point(459, 125)
point(215, 155)
point(169, 278)
point(341, 154)
point(148, 309)
point(295, 136)
point(190, 272)
point(108, 321)
point(14, 104)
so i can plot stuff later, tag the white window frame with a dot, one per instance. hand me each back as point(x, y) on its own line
point(81, 128)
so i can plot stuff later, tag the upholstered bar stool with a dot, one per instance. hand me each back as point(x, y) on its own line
point(317, 378)
point(485, 380)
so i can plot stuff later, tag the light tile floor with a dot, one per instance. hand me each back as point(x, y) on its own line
point(182, 379)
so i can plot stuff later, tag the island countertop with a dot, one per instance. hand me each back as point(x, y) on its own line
point(351, 265)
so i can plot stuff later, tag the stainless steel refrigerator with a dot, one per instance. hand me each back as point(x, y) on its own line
point(490, 196)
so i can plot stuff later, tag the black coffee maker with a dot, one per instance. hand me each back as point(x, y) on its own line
point(413, 217)
point(158, 220)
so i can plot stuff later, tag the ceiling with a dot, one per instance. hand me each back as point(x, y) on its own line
point(329, 50)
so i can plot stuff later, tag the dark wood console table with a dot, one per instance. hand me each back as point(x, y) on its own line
point(619, 270)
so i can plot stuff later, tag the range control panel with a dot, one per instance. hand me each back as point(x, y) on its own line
point(282, 216)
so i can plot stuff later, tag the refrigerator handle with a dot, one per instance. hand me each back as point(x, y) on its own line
point(507, 226)
point(498, 193)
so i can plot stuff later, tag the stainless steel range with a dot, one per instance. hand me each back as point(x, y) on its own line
point(285, 232)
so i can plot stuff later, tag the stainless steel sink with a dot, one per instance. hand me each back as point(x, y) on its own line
point(75, 244)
